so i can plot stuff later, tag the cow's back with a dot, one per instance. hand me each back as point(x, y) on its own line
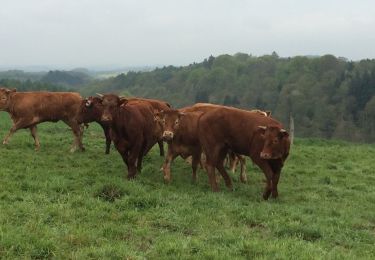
point(47, 106)
point(157, 105)
point(234, 128)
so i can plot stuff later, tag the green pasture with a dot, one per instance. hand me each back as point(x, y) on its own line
point(55, 204)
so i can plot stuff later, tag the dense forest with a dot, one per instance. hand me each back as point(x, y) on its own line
point(327, 96)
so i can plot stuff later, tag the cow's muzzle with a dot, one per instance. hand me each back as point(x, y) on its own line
point(106, 118)
point(167, 135)
point(265, 156)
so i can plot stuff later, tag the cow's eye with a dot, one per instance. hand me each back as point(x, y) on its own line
point(176, 122)
point(275, 141)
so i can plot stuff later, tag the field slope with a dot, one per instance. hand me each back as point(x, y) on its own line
point(79, 206)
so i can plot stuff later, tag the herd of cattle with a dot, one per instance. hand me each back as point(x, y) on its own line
point(135, 125)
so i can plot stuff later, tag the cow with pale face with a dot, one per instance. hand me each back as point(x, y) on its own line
point(180, 132)
point(27, 109)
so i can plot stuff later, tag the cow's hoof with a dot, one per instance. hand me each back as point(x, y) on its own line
point(130, 177)
point(167, 180)
point(266, 195)
point(36, 149)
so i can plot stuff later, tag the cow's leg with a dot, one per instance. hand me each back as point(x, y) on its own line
point(267, 170)
point(132, 168)
point(23, 123)
point(221, 168)
point(77, 135)
point(232, 161)
point(139, 162)
point(211, 176)
point(243, 176)
point(276, 167)
point(35, 136)
point(161, 147)
point(196, 159)
point(107, 135)
point(171, 155)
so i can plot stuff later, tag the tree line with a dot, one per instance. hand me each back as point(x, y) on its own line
point(328, 97)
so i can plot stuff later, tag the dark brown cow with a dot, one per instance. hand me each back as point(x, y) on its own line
point(27, 109)
point(131, 129)
point(261, 138)
point(92, 109)
point(180, 132)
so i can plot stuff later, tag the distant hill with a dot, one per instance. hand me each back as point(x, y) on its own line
point(21, 75)
point(73, 78)
point(327, 96)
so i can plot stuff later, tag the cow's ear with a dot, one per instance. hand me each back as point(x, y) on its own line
point(261, 130)
point(10, 90)
point(268, 113)
point(157, 115)
point(123, 101)
point(283, 133)
point(181, 114)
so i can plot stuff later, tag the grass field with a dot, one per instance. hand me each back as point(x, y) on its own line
point(54, 204)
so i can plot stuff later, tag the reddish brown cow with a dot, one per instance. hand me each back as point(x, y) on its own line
point(92, 109)
point(261, 138)
point(131, 129)
point(233, 157)
point(180, 132)
point(27, 109)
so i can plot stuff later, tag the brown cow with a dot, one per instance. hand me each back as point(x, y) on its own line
point(233, 158)
point(180, 132)
point(261, 138)
point(27, 109)
point(92, 109)
point(131, 129)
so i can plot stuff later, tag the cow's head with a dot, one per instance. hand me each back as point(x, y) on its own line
point(91, 109)
point(111, 104)
point(170, 122)
point(5, 97)
point(276, 142)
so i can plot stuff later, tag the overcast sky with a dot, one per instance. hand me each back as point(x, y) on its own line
point(99, 33)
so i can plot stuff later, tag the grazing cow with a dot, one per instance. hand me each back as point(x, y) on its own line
point(131, 129)
point(261, 138)
point(92, 109)
point(180, 132)
point(27, 109)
